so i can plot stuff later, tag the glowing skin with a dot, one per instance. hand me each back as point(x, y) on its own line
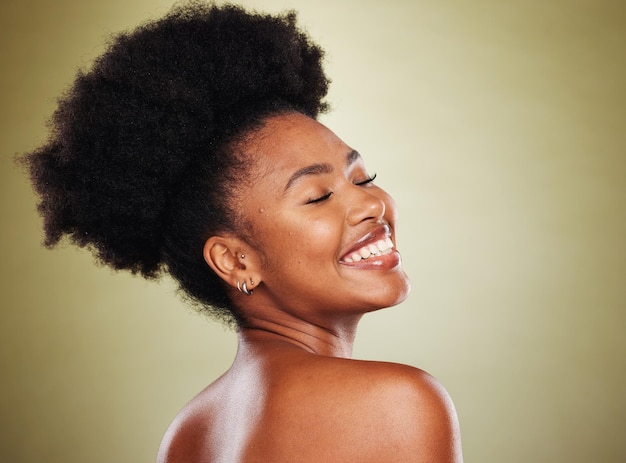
point(323, 229)
point(319, 252)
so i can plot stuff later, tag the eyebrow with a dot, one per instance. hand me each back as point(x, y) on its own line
point(318, 169)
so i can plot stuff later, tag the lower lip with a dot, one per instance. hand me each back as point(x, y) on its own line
point(382, 262)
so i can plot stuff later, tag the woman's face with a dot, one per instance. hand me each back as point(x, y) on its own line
point(324, 230)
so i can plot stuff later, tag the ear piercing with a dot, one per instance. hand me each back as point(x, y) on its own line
point(244, 288)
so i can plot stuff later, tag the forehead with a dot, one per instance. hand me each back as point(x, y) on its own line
point(292, 141)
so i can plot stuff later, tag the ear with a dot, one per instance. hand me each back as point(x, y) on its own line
point(232, 260)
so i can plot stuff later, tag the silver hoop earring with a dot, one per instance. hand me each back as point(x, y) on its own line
point(245, 290)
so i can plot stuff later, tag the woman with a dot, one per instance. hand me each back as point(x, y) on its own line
point(192, 147)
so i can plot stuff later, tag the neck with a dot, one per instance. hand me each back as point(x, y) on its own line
point(334, 339)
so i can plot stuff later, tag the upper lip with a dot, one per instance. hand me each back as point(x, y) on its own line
point(379, 233)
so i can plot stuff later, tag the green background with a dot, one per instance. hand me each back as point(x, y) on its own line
point(500, 129)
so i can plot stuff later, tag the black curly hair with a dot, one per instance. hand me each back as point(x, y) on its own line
point(140, 164)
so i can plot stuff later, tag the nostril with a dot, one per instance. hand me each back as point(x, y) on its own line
point(367, 207)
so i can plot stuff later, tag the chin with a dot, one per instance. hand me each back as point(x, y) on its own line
point(403, 296)
point(403, 289)
point(399, 295)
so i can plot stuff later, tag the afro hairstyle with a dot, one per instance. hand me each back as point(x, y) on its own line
point(139, 165)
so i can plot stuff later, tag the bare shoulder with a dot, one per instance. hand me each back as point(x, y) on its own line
point(388, 411)
point(310, 408)
point(422, 419)
point(185, 438)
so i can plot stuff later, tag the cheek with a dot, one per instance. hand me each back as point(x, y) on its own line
point(293, 240)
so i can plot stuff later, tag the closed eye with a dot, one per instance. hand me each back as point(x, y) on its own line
point(329, 194)
point(320, 199)
point(366, 181)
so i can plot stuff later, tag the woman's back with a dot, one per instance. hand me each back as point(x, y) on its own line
point(280, 403)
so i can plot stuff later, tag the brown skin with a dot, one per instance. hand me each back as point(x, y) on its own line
point(292, 393)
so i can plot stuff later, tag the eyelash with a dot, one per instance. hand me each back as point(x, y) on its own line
point(320, 199)
point(329, 194)
point(366, 181)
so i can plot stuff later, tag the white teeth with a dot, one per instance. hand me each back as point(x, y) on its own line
point(370, 250)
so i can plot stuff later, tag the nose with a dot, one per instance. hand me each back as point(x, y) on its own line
point(364, 204)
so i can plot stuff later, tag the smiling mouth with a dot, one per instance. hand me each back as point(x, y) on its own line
point(379, 248)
